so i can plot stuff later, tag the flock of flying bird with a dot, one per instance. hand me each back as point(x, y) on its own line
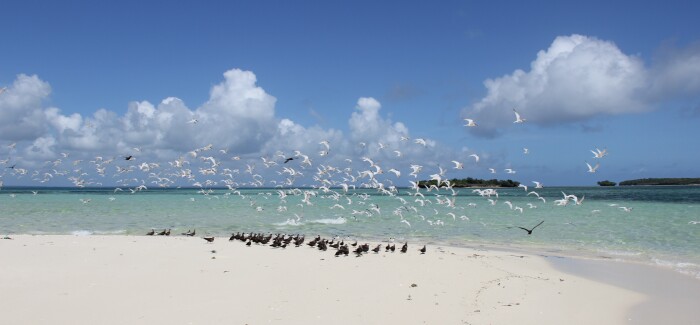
point(214, 171)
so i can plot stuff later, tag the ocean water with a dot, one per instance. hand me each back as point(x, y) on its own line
point(661, 227)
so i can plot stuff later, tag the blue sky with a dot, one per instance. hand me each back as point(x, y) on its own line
point(424, 64)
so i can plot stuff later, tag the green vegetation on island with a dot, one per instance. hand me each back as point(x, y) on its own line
point(662, 181)
point(472, 182)
point(606, 183)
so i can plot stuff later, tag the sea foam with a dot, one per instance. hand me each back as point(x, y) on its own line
point(336, 221)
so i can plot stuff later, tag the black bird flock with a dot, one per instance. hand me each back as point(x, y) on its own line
point(283, 241)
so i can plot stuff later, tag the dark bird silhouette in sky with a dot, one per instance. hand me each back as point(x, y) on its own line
point(529, 231)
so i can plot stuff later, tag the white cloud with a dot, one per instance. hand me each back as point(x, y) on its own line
point(576, 78)
point(291, 136)
point(22, 115)
point(41, 149)
point(368, 126)
point(239, 116)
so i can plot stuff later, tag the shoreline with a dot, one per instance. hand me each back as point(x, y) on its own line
point(546, 251)
point(674, 293)
point(138, 279)
point(662, 262)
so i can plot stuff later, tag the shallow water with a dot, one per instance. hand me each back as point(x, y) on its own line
point(659, 229)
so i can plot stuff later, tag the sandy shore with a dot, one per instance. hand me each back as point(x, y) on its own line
point(184, 280)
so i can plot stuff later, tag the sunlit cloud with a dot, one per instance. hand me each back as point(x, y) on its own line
point(578, 78)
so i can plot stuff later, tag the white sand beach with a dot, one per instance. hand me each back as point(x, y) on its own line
point(62, 279)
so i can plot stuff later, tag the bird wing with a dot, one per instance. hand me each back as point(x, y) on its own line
point(541, 222)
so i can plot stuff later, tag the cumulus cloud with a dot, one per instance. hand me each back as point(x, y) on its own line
point(579, 77)
point(239, 114)
point(291, 136)
point(239, 117)
point(22, 109)
point(368, 126)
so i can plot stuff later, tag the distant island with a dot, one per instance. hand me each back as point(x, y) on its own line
point(662, 181)
point(472, 182)
point(606, 183)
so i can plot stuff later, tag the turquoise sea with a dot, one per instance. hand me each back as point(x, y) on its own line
point(661, 225)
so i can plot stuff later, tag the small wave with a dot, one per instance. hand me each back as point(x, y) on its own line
point(289, 222)
point(336, 221)
point(686, 268)
point(681, 265)
point(619, 253)
point(81, 232)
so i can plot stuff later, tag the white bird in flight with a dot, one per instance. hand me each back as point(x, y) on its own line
point(592, 169)
point(421, 141)
point(458, 165)
point(470, 122)
point(325, 144)
point(476, 157)
point(518, 119)
point(597, 153)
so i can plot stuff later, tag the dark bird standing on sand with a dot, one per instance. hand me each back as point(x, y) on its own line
point(422, 250)
point(209, 239)
point(404, 248)
point(529, 231)
point(151, 233)
point(192, 233)
point(358, 251)
point(343, 250)
point(376, 249)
